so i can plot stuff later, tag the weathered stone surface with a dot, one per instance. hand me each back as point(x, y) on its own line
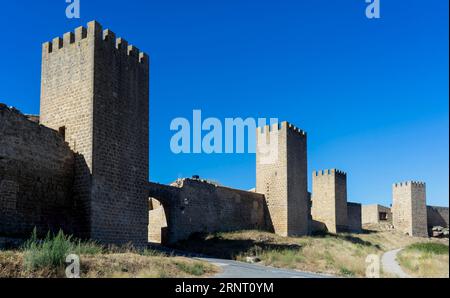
point(354, 217)
point(329, 199)
point(409, 210)
point(36, 176)
point(376, 214)
point(437, 216)
point(96, 89)
point(193, 206)
point(284, 183)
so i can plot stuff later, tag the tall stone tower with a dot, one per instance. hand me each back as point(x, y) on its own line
point(409, 210)
point(281, 175)
point(329, 199)
point(95, 91)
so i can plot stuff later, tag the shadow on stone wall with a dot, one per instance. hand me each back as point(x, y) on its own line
point(216, 246)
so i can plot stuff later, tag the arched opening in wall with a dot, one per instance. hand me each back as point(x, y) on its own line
point(157, 228)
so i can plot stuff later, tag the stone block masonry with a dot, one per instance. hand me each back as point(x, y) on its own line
point(36, 177)
point(409, 209)
point(329, 199)
point(193, 206)
point(284, 183)
point(354, 217)
point(95, 89)
point(437, 216)
point(376, 214)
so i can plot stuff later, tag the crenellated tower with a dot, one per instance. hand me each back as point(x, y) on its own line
point(329, 199)
point(409, 208)
point(281, 175)
point(95, 91)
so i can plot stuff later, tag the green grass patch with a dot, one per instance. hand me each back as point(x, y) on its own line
point(288, 258)
point(52, 251)
point(346, 272)
point(196, 269)
point(430, 248)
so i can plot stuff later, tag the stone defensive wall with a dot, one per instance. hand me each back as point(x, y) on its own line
point(196, 206)
point(372, 214)
point(437, 216)
point(354, 217)
point(36, 176)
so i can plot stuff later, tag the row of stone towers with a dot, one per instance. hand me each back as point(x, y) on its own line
point(283, 181)
point(95, 92)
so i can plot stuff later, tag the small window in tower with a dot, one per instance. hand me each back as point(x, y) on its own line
point(62, 131)
point(383, 216)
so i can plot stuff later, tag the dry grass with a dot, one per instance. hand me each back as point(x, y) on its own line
point(46, 258)
point(115, 265)
point(341, 254)
point(428, 260)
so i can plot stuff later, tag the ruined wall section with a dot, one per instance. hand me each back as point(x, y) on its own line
point(354, 217)
point(36, 176)
point(194, 206)
point(437, 216)
point(371, 214)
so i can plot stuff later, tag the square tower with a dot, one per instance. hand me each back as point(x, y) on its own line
point(329, 199)
point(281, 175)
point(409, 209)
point(95, 91)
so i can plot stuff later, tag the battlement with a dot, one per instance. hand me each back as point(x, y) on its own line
point(410, 183)
point(279, 126)
point(329, 173)
point(94, 30)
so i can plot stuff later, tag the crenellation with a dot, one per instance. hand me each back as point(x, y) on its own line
point(122, 45)
point(144, 58)
point(329, 172)
point(295, 129)
point(80, 33)
point(68, 38)
point(47, 48)
point(57, 43)
point(409, 183)
point(94, 30)
point(109, 36)
point(133, 52)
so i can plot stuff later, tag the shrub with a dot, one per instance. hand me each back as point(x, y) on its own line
point(51, 252)
point(196, 269)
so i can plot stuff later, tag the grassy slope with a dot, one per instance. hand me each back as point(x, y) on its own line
point(425, 260)
point(107, 265)
point(342, 254)
point(46, 258)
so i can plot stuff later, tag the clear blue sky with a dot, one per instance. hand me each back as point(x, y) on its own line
point(372, 94)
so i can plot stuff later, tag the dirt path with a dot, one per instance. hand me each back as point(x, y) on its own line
point(390, 264)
